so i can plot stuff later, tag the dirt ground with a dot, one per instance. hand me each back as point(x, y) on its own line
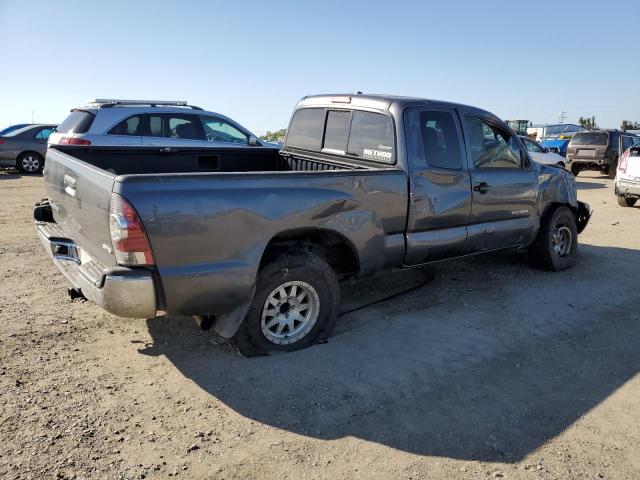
point(490, 370)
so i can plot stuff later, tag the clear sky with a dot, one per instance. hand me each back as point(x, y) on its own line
point(253, 60)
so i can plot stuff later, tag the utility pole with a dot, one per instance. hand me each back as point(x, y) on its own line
point(562, 117)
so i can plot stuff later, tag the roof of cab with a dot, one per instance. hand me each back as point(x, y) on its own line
point(376, 101)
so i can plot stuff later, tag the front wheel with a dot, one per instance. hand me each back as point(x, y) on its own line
point(30, 162)
point(556, 245)
point(295, 305)
point(626, 201)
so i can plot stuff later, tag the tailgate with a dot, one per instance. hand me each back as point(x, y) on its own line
point(80, 195)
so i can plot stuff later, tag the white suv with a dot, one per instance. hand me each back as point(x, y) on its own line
point(627, 186)
point(112, 122)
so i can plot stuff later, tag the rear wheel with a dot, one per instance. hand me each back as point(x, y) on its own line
point(30, 162)
point(626, 201)
point(295, 305)
point(575, 169)
point(556, 245)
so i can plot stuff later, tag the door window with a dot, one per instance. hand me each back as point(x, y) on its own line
point(491, 146)
point(217, 130)
point(44, 133)
point(440, 140)
point(533, 147)
point(627, 142)
point(129, 126)
point(184, 127)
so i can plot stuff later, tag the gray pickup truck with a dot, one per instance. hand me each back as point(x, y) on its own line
point(253, 243)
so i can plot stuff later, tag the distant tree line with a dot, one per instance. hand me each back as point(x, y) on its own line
point(588, 123)
point(629, 125)
point(277, 136)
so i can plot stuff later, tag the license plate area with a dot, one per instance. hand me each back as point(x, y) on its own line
point(587, 153)
point(65, 251)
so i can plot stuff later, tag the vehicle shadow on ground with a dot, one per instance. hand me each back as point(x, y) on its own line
point(486, 362)
point(589, 185)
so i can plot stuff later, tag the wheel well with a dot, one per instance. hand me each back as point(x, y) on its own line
point(332, 247)
point(554, 206)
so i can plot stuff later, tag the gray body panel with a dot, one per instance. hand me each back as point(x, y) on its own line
point(208, 231)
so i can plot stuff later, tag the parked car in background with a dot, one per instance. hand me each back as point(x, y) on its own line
point(25, 148)
point(598, 150)
point(11, 128)
point(252, 241)
point(541, 154)
point(627, 185)
point(112, 122)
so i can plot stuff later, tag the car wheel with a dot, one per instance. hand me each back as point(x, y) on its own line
point(626, 201)
point(575, 169)
point(30, 162)
point(556, 245)
point(295, 305)
point(561, 164)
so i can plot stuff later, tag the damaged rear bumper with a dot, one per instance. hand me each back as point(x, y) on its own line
point(121, 291)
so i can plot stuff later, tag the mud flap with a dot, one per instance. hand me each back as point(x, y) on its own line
point(582, 216)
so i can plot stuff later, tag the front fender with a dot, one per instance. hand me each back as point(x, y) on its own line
point(583, 214)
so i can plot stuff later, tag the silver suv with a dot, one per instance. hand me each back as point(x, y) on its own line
point(114, 122)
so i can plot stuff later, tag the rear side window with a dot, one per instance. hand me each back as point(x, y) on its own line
point(44, 133)
point(371, 137)
point(129, 126)
point(337, 131)
point(590, 138)
point(78, 121)
point(627, 142)
point(180, 127)
point(440, 140)
point(306, 129)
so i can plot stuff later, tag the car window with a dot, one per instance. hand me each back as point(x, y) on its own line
point(184, 127)
point(590, 138)
point(533, 147)
point(78, 121)
point(306, 129)
point(129, 126)
point(371, 137)
point(217, 130)
point(440, 140)
point(337, 131)
point(627, 142)
point(155, 126)
point(44, 133)
point(490, 146)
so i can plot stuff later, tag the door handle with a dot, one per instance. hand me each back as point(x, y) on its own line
point(482, 187)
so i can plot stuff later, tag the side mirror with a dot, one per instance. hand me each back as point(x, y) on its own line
point(253, 141)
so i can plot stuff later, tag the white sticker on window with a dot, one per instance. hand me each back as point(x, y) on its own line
point(376, 154)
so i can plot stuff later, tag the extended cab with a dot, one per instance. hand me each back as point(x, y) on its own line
point(254, 242)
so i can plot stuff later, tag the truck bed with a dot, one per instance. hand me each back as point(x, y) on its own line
point(145, 160)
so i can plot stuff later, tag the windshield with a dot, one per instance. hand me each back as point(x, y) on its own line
point(18, 131)
point(590, 138)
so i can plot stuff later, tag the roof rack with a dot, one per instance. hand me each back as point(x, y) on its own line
point(115, 102)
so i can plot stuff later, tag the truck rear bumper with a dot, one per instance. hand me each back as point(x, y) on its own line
point(120, 291)
point(627, 187)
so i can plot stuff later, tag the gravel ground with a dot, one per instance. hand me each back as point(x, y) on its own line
point(490, 370)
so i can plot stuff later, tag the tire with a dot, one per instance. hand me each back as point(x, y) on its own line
point(30, 162)
point(561, 164)
point(626, 201)
point(575, 169)
point(285, 285)
point(556, 245)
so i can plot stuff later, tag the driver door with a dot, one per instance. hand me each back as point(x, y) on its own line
point(504, 187)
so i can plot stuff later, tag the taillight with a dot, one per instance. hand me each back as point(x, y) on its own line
point(622, 164)
point(1, 141)
point(74, 141)
point(129, 240)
